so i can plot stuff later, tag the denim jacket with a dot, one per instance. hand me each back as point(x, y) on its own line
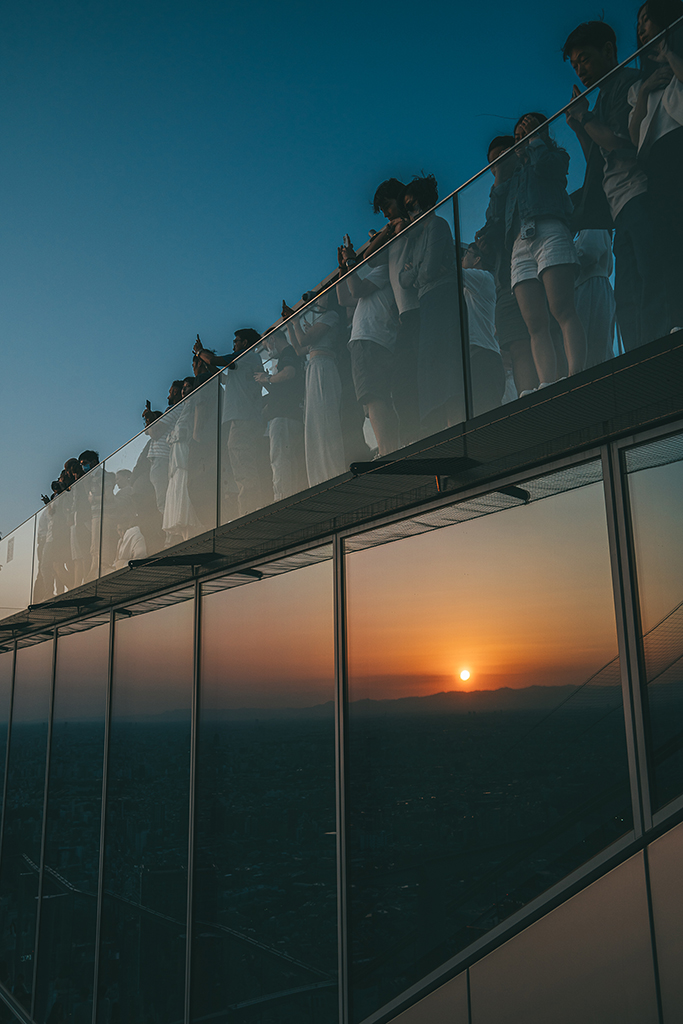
point(538, 188)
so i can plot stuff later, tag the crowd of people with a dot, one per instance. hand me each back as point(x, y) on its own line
point(379, 358)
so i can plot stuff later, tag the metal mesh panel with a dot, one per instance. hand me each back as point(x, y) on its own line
point(275, 568)
point(657, 453)
point(485, 504)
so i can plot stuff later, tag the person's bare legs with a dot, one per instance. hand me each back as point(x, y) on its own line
point(523, 366)
point(559, 287)
point(384, 423)
point(531, 300)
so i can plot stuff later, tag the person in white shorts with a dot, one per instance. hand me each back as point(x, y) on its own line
point(544, 260)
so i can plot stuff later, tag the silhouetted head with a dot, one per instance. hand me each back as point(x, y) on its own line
point(420, 195)
point(245, 337)
point(88, 459)
point(591, 50)
point(388, 198)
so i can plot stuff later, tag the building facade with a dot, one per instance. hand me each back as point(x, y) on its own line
point(404, 744)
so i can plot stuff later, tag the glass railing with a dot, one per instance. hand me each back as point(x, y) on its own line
point(458, 307)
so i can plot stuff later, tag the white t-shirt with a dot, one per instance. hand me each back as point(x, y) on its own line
point(594, 249)
point(375, 317)
point(480, 296)
point(242, 395)
point(406, 298)
point(657, 121)
point(330, 318)
point(131, 545)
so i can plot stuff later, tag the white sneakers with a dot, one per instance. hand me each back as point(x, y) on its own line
point(543, 384)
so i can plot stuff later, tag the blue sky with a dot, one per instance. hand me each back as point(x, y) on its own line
point(178, 168)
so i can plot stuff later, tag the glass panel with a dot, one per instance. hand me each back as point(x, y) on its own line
point(246, 477)
point(487, 752)
point(160, 488)
point(405, 340)
point(66, 959)
point(6, 669)
point(24, 817)
point(16, 559)
point(68, 539)
point(142, 954)
point(655, 496)
point(264, 939)
point(590, 959)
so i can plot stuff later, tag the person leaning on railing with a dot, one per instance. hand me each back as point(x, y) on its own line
point(430, 270)
point(656, 127)
point(614, 191)
point(511, 331)
point(242, 418)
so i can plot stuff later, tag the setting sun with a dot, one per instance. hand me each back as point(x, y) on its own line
point(465, 675)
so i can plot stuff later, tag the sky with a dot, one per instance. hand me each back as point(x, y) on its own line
point(173, 169)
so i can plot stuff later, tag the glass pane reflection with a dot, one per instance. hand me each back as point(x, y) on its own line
point(264, 939)
point(16, 559)
point(142, 954)
point(66, 957)
point(24, 818)
point(655, 496)
point(6, 669)
point(470, 795)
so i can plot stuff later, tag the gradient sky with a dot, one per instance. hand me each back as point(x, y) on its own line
point(178, 168)
point(518, 598)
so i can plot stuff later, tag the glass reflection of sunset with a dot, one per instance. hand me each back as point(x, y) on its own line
point(528, 591)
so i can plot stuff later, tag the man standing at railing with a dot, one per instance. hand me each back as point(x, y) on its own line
point(612, 160)
point(242, 423)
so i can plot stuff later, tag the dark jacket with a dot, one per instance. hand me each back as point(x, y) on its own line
point(537, 188)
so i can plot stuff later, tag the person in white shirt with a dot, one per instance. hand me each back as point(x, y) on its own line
point(656, 129)
point(594, 295)
point(242, 425)
point(131, 543)
point(388, 199)
point(315, 335)
point(372, 342)
point(486, 364)
point(430, 269)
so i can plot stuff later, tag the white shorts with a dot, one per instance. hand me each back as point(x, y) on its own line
point(551, 246)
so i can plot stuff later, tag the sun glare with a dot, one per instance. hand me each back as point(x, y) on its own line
point(465, 675)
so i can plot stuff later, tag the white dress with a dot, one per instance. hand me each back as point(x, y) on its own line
point(179, 514)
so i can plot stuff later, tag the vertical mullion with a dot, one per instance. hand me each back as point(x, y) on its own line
point(33, 556)
point(99, 550)
point(192, 808)
point(219, 420)
point(9, 734)
point(103, 810)
point(43, 833)
point(625, 605)
point(340, 661)
point(462, 306)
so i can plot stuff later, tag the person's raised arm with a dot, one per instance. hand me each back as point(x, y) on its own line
point(279, 377)
point(300, 341)
point(352, 287)
point(590, 126)
point(390, 230)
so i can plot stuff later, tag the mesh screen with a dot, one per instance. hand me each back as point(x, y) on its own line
point(657, 453)
point(471, 508)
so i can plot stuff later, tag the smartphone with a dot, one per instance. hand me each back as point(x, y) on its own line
point(148, 404)
point(347, 242)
